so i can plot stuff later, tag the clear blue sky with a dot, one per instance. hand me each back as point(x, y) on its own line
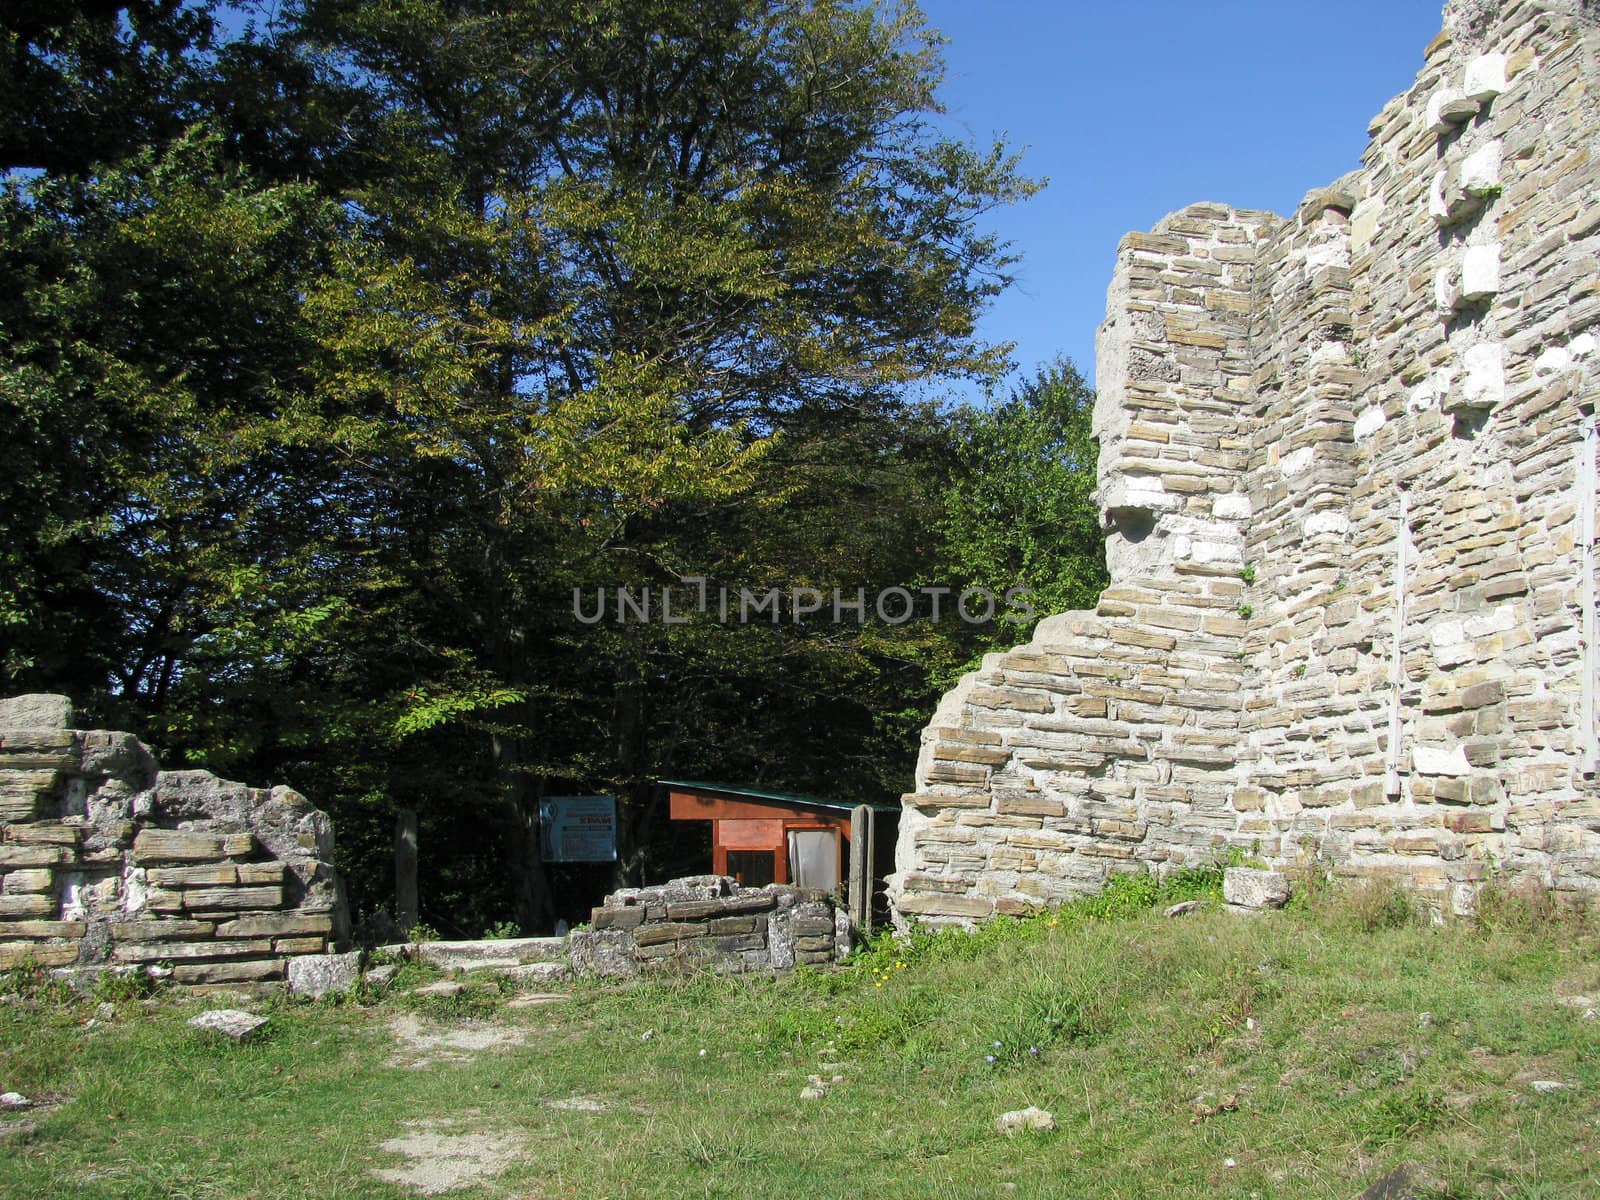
point(1137, 108)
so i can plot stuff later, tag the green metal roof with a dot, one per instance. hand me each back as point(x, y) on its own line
point(799, 799)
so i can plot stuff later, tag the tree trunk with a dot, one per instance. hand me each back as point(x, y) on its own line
point(406, 902)
point(531, 884)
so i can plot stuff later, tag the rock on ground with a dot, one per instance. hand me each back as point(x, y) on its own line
point(230, 1022)
point(316, 975)
point(1248, 887)
point(1025, 1118)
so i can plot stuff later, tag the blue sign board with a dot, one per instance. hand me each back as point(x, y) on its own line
point(578, 828)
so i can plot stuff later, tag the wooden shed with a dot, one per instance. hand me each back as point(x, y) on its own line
point(761, 837)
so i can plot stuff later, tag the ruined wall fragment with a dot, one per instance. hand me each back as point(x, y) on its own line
point(107, 862)
point(1347, 476)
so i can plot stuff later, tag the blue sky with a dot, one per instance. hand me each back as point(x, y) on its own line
point(1139, 108)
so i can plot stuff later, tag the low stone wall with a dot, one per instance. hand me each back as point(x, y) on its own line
point(107, 861)
point(710, 922)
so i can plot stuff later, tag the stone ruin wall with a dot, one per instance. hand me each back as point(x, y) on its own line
point(710, 922)
point(1347, 477)
point(107, 863)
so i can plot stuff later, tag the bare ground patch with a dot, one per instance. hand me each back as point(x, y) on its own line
point(423, 1043)
point(440, 1160)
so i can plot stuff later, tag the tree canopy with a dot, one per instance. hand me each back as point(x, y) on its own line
point(342, 347)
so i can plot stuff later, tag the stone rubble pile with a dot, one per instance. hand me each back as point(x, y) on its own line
point(710, 921)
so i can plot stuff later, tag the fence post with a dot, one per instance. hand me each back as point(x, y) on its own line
point(405, 870)
point(862, 828)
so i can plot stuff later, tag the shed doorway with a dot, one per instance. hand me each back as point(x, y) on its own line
point(814, 858)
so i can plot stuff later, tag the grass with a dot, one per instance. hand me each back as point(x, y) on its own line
point(1313, 1049)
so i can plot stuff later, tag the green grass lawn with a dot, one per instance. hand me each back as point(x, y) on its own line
point(1294, 1054)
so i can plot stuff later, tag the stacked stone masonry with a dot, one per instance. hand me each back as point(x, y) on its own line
point(108, 863)
point(1348, 482)
point(710, 922)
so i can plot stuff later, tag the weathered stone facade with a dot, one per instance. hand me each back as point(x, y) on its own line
point(710, 922)
point(108, 862)
point(1347, 475)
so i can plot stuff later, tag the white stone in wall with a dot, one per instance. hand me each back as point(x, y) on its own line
point(1334, 252)
point(1446, 289)
point(1206, 552)
point(1486, 77)
point(1480, 170)
point(1480, 272)
point(1485, 382)
point(135, 895)
point(1436, 102)
point(1331, 351)
point(1437, 208)
point(1369, 422)
point(1552, 362)
point(74, 906)
point(1364, 223)
point(1433, 760)
point(1295, 462)
point(1581, 346)
point(1501, 619)
point(1139, 491)
point(1428, 393)
point(1233, 507)
point(1327, 522)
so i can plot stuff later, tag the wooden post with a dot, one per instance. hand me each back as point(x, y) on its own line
point(405, 869)
point(861, 848)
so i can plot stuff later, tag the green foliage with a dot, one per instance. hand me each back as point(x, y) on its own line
point(360, 340)
point(1124, 896)
point(1018, 510)
point(1292, 1043)
point(122, 987)
point(32, 982)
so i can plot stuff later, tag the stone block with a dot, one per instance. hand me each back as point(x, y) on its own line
point(252, 971)
point(260, 873)
point(1249, 887)
point(18, 930)
point(38, 879)
point(667, 931)
point(36, 711)
point(608, 953)
point(1485, 77)
point(137, 952)
point(318, 975)
point(466, 955)
point(935, 905)
point(208, 876)
point(617, 918)
point(27, 906)
point(46, 833)
point(275, 925)
point(302, 945)
point(39, 954)
point(176, 845)
point(155, 931)
point(1480, 273)
point(208, 899)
